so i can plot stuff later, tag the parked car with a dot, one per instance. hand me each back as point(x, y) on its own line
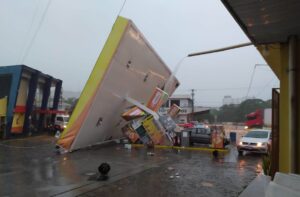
point(200, 135)
point(255, 141)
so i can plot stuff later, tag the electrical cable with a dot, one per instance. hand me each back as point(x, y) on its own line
point(267, 84)
point(252, 76)
point(168, 81)
point(29, 30)
point(122, 7)
point(36, 32)
point(251, 80)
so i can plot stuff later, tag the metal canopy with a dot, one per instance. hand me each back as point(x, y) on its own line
point(266, 21)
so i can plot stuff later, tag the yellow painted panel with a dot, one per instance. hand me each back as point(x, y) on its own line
point(96, 76)
point(182, 148)
point(284, 142)
point(298, 109)
point(22, 92)
point(18, 122)
point(272, 55)
point(276, 55)
point(3, 106)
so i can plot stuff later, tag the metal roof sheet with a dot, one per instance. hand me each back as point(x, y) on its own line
point(266, 21)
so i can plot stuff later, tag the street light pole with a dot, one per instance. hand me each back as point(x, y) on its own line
point(221, 49)
point(193, 94)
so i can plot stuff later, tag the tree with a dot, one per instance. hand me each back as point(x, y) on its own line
point(70, 100)
point(237, 113)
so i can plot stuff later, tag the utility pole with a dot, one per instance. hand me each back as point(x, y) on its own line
point(193, 94)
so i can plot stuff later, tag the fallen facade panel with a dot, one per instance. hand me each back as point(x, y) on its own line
point(128, 69)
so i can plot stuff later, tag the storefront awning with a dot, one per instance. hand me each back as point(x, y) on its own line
point(266, 21)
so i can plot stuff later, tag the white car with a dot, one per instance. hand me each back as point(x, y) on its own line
point(61, 121)
point(255, 141)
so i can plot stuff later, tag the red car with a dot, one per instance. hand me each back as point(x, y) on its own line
point(186, 125)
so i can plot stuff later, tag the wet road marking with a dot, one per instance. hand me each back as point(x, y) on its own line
point(182, 148)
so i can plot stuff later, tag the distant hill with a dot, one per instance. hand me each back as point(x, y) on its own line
point(71, 94)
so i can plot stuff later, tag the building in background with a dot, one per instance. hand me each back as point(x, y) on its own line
point(31, 99)
point(185, 103)
point(228, 100)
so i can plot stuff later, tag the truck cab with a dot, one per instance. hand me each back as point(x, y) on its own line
point(255, 119)
point(259, 119)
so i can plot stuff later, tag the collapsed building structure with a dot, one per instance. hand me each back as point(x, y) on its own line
point(127, 73)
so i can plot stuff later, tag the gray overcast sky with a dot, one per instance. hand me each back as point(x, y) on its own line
point(73, 32)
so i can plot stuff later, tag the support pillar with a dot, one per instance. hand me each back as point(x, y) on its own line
point(46, 94)
point(56, 98)
point(293, 103)
point(30, 101)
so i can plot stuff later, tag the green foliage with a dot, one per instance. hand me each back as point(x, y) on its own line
point(266, 164)
point(205, 117)
point(70, 101)
point(237, 113)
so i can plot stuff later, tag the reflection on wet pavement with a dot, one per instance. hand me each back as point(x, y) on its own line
point(39, 171)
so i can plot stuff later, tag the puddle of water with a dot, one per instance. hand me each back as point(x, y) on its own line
point(207, 184)
point(90, 173)
point(232, 156)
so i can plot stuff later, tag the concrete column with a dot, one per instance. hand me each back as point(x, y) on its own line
point(56, 98)
point(46, 94)
point(293, 102)
point(30, 100)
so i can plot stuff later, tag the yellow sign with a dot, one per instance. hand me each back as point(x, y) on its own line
point(158, 98)
point(3, 106)
point(153, 131)
point(18, 122)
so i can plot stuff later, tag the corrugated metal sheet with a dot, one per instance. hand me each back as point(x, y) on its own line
point(266, 21)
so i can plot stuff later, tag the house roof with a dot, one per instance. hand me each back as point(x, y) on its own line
point(27, 69)
point(181, 96)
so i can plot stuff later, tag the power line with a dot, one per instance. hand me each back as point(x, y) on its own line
point(122, 7)
point(252, 76)
point(36, 32)
point(28, 31)
point(267, 84)
point(251, 80)
point(193, 105)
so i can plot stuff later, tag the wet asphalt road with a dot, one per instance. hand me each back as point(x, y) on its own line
point(31, 167)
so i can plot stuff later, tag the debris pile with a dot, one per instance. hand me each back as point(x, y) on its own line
point(150, 127)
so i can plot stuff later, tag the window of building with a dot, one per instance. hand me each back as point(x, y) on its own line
point(184, 103)
point(177, 102)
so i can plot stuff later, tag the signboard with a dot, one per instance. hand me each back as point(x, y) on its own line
point(174, 110)
point(154, 132)
point(217, 136)
point(3, 106)
point(133, 113)
point(158, 98)
point(18, 122)
point(130, 133)
point(144, 137)
point(127, 67)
